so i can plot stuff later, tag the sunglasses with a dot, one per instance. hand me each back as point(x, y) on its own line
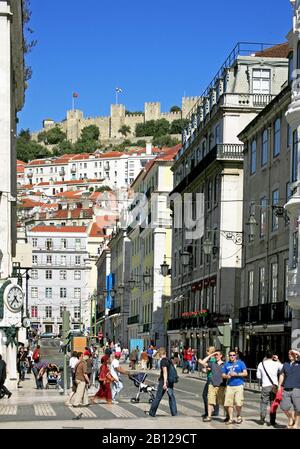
point(232, 355)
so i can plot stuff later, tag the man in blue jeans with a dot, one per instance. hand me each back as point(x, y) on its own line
point(163, 386)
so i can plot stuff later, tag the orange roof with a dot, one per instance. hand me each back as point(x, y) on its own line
point(20, 169)
point(70, 194)
point(113, 154)
point(75, 213)
point(277, 51)
point(96, 231)
point(19, 162)
point(63, 229)
point(81, 156)
point(27, 203)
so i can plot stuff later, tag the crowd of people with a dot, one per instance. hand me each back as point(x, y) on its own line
point(224, 387)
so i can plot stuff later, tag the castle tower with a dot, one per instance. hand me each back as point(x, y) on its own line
point(187, 104)
point(74, 117)
point(117, 119)
point(152, 111)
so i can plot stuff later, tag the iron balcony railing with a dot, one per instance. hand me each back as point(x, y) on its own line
point(276, 312)
point(210, 320)
point(114, 311)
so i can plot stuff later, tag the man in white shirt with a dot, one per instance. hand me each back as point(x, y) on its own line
point(116, 370)
point(268, 371)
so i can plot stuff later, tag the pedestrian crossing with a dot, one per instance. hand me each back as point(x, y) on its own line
point(124, 410)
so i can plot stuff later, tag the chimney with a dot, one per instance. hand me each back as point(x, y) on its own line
point(148, 148)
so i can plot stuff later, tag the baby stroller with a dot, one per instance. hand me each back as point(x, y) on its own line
point(138, 380)
point(54, 378)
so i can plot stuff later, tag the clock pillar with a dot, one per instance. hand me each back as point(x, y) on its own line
point(10, 323)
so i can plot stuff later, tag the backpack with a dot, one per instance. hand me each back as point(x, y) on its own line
point(172, 373)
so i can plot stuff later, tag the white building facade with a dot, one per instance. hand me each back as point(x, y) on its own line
point(60, 277)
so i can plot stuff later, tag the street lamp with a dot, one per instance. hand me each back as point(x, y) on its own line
point(252, 223)
point(185, 258)
point(207, 246)
point(164, 268)
point(147, 278)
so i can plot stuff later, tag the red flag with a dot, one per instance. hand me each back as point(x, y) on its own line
point(75, 94)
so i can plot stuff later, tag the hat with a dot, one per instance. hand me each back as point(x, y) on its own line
point(86, 353)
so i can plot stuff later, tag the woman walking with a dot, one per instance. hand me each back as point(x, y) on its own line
point(104, 391)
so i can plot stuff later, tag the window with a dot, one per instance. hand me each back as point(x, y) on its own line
point(291, 67)
point(48, 310)
point(263, 216)
point(261, 292)
point(253, 158)
point(276, 147)
point(85, 165)
point(288, 135)
point(77, 243)
point(49, 260)
point(298, 56)
point(34, 274)
point(34, 242)
point(77, 293)
point(48, 274)
point(34, 292)
point(63, 292)
point(34, 260)
point(264, 147)
point(288, 191)
point(217, 134)
point(250, 287)
point(64, 241)
point(49, 244)
point(48, 292)
point(77, 275)
point(63, 275)
point(34, 312)
point(77, 312)
point(261, 81)
point(61, 310)
point(275, 201)
point(77, 260)
point(209, 195)
point(295, 157)
point(63, 260)
point(274, 281)
point(295, 250)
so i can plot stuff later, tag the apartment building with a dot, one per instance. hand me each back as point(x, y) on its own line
point(206, 268)
point(150, 234)
point(264, 320)
point(60, 276)
point(114, 168)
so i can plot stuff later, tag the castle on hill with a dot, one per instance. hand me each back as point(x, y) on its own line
point(109, 126)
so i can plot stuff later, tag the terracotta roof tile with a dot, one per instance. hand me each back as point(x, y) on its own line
point(63, 229)
point(277, 51)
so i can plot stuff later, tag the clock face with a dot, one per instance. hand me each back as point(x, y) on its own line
point(15, 298)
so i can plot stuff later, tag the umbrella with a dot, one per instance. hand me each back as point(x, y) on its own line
point(277, 400)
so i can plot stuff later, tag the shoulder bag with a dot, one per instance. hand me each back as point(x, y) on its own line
point(274, 387)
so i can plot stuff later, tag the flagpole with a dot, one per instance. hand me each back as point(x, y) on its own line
point(116, 96)
point(73, 102)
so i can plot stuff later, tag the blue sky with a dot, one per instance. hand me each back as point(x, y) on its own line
point(155, 50)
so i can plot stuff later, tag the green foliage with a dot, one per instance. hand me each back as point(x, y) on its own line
point(64, 147)
point(175, 109)
point(178, 125)
point(152, 128)
point(141, 143)
point(125, 130)
point(28, 149)
point(164, 141)
point(103, 189)
point(90, 132)
point(53, 136)
point(162, 127)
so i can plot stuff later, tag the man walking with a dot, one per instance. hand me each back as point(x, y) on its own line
point(164, 385)
point(210, 350)
point(290, 379)
point(234, 371)
point(115, 371)
point(268, 371)
point(80, 398)
point(3, 388)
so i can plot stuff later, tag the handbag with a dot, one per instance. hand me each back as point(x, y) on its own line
point(109, 377)
point(274, 387)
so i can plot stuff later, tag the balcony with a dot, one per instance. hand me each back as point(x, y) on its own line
point(133, 319)
point(227, 152)
point(114, 311)
point(270, 313)
point(246, 100)
point(62, 172)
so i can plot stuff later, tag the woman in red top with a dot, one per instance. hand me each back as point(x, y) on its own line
point(104, 391)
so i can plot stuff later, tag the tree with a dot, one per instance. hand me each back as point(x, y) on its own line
point(162, 127)
point(175, 109)
point(141, 143)
point(90, 132)
point(53, 136)
point(178, 125)
point(164, 141)
point(85, 146)
point(28, 149)
point(124, 130)
point(103, 189)
point(63, 147)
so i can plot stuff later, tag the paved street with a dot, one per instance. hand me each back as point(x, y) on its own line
point(29, 407)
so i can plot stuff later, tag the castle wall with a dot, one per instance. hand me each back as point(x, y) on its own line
point(152, 111)
point(187, 104)
point(132, 120)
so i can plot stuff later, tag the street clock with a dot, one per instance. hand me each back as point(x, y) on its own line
point(14, 298)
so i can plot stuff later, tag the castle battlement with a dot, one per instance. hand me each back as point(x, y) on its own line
point(110, 125)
